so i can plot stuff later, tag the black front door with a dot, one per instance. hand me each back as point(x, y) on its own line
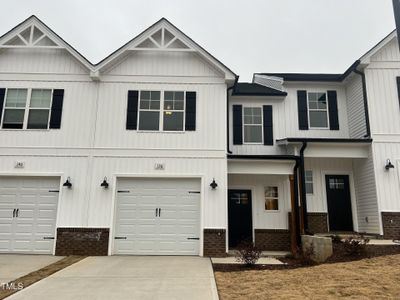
point(239, 217)
point(339, 203)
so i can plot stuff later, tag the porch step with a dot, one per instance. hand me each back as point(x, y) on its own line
point(345, 235)
point(267, 253)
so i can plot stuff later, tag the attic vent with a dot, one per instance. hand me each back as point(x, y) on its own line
point(269, 81)
point(162, 39)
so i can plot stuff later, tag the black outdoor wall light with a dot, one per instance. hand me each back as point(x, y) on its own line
point(388, 165)
point(104, 184)
point(213, 184)
point(68, 183)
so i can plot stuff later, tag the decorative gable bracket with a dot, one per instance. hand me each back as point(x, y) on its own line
point(163, 40)
point(30, 37)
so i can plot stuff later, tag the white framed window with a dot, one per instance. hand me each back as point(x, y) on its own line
point(39, 109)
point(318, 110)
point(174, 111)
point(149, 110)
point(27, 109)
point(252, 125)
point(271, 198)
point(308, 177)
point(161, 111)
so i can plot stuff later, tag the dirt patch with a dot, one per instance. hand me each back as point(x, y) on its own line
point(371, 278)
point(29, 279)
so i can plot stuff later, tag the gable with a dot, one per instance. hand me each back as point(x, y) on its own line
point(155, 63)
point(166, 40)
point(390, 52)
point(32, 44)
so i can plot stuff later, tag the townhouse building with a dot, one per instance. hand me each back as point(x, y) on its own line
point(159, 149)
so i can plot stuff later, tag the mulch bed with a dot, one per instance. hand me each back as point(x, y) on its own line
point(339, 255)
point(40, 274)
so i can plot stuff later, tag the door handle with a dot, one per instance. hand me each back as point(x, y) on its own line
point(156, 212)
point(17, 213)
point(14, 213)
point(159, 212)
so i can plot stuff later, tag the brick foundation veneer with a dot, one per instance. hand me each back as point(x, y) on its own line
point(272, 239)
point(391, 225)
point(214, 242)
point(317, 222)
point(82, 241)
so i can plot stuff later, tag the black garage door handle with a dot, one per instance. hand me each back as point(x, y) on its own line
point(120, 237)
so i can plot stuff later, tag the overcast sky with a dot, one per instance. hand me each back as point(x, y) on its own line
point(248, 36)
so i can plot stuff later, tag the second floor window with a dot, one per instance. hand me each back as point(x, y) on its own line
point(318, 110)
point(163, 111)
point(252, 125)
point(27, 109)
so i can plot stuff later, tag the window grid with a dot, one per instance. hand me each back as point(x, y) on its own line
point(163, 107)
point(309, 182)
point(26, 108)
point(271, 198)
point(253, 118)
point(174, 102)
point(317, 102)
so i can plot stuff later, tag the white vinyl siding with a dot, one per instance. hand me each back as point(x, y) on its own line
point(355, 108)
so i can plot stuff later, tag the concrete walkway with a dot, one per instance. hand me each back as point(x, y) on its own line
point(128, 277)
point(14, 266)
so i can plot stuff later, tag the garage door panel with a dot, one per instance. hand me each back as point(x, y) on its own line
point(149, 234)
point(37, 210)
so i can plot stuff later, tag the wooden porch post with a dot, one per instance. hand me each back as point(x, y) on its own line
point(293, 216)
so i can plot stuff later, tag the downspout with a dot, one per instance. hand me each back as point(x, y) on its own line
point(364, 87)
point(303, 196)
point(296, 206)
point(227, 114)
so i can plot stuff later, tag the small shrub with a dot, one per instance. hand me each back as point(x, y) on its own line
point(355, 246)
point(306, 256)
point(247, 253)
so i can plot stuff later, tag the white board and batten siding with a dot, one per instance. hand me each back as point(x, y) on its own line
point(263, 219)
point(384, 107)
point(285, 117)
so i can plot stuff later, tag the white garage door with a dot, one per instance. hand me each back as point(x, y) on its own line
point(157, 217)
point(28, 210)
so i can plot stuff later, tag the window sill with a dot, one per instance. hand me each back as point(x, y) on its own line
point(158, 131)
point(272, 211)
point(24, 130)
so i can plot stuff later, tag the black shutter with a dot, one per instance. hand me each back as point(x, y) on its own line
point(2, 94)
point(132, 110)
point(398, 88)
point(190, 113)
point(237, 125)
point(268, 130)
point(333, 110)
point(56, 109)
point(302, 109)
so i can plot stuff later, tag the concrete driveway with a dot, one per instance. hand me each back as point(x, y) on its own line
point(128, 277)
point(15, 266)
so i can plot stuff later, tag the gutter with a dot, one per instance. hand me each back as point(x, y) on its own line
point(296, 207)
point(365, 96)
point(227, 114)
point(303, 195)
